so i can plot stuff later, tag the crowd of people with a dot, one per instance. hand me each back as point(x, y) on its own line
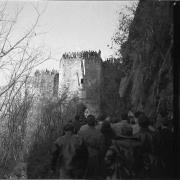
point(114, 148)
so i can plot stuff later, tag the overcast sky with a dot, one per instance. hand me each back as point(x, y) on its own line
point(70, 25)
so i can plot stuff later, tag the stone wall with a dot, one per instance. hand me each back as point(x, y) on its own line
point(80, 74)
point(111, 103)
point(92, 83)
point(70, 75)
point(45, 82)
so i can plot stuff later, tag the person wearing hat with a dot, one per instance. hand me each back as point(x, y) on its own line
point(76, 123)
point(121, 159)
point(119, 125)
point(71, 153)
point(147, 139)
point(94, 142)
point(100, 119)
point(164, 150)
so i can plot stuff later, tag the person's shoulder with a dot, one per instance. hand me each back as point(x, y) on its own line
point(116, 124)
point(77, 138)
point(83, 130)
point(138, 134)
point(59, 140)
point(98, 133)
point(83, 127)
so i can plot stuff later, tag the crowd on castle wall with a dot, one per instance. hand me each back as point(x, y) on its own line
point(82, 54)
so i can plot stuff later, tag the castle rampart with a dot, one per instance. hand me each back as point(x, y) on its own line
point(80, 73)
point(47, 82)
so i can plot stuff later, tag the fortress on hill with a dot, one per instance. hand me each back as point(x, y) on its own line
point(79, 74)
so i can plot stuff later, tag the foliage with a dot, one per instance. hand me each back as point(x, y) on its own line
point(13, 134)
point(53, 116)
point(124, 22)
point(17, 60)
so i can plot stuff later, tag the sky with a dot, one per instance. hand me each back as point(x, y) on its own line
point(69, 25)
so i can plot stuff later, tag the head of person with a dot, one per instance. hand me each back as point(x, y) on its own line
point(127, 131)
point(108, 118)
point(91, 121)
point(162, 115)
point(77, 117)
point(101, 117)
point(165, 123)
point(106, 129)
point(143, 121)
point(131, 119)
point(115, 120)
point(124, 116)
point(69, 128)
point(86, 112)
point(105, 126)
point(136, 115)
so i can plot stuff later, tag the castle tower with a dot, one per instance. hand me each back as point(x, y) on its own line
point(46, 82)
point(80, 74)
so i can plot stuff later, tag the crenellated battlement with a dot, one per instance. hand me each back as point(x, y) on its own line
point(45, 72)
point(82, 54)
point(81, 73)
point(112, 60)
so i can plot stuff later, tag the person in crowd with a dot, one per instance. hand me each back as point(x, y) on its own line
point(94, 142)
point(162, 115)
point(114, 120)
point(118, 126)
point(108, 134)
point(146, 137)
point(100, 119)
point(164, 150)
point(76, 124)
point(136, 126)
point(84, 125)
point(108, 118)
point(131, 116)
point(71, 154)
point(122, 156)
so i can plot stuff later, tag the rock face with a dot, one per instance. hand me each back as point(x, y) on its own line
point(148, 83)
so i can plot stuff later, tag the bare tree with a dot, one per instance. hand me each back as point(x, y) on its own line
point(17, 60)
point(124, 22)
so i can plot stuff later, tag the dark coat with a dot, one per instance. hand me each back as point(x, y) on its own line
point(121, 158)
point(71, 153)
point(95, 144)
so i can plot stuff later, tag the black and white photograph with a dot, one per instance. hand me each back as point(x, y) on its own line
point(87, 90)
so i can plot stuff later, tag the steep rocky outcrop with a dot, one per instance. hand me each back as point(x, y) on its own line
point(110, 100)
point(148, 81)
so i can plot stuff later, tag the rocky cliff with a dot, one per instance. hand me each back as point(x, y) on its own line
point(148, 81)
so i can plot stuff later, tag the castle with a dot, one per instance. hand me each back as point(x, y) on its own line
point(79, 74)
point(45, 83)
